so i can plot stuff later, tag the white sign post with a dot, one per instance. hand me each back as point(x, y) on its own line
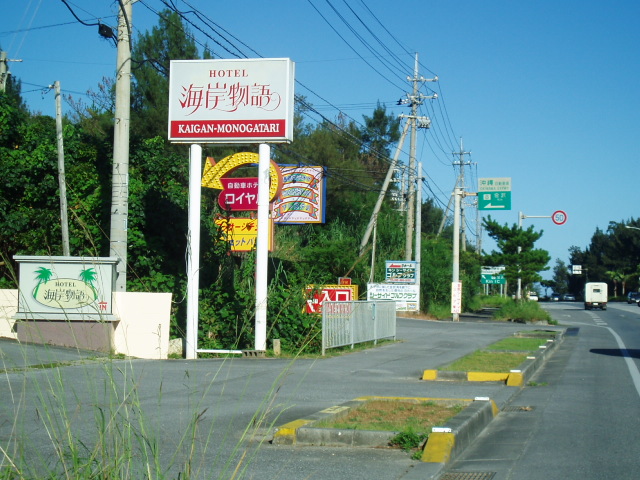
point(456, 298)
point(231, 102)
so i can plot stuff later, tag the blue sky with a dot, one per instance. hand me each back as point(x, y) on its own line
point(543, 92)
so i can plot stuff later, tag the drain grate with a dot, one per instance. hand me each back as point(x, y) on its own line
point(468, 476)
point(572, 331)
point(518, 408)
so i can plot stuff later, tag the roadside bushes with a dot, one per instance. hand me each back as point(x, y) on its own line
point(522, 312)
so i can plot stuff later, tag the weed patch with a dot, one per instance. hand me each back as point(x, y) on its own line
point(392, 416)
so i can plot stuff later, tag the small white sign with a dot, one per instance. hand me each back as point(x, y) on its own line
point(456, 297)
point(407, 297)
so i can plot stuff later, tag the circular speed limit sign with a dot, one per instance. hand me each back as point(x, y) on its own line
point(559, 217)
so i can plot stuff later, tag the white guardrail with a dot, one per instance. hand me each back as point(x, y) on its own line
point(348, 323)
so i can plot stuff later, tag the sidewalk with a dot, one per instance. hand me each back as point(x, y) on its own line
point(226, 394)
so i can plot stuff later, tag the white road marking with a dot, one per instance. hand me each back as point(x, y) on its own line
point(633, 369)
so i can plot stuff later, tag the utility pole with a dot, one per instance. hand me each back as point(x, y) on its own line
point(120, 172)
point(374, 216)
point(4, 70)
point(456, 303)
point(415, 99)
point(64, 221)
point(455, 277)
point(461, 163)
point(418, 257)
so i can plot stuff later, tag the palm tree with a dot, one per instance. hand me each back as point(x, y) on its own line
point(88, 276)
point(43, 276)
point(615, 277)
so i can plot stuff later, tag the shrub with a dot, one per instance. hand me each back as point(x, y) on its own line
point(523, 312)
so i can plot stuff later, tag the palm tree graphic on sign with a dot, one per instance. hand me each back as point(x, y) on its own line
point(43, 276)
point(88, 276)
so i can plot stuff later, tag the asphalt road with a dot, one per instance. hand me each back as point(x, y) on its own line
point(582, 420)
point(217, 416)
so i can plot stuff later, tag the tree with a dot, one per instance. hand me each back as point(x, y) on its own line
point(560, 277)
point(431, 217)
point(151, 56)
point(517, 252)
point(380, 131)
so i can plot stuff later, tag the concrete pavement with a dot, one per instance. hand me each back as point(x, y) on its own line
point(216, 417)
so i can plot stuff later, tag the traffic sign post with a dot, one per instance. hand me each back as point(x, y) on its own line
point(494, 200)
point(494, 193)
point(492, 276)
point(559, 217)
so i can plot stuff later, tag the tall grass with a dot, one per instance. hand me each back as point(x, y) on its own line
point(101, 420)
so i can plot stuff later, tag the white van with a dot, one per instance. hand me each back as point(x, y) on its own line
point(595, 295)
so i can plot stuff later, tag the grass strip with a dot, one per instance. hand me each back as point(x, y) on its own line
point(393, 416)
point(523, 344)
point(485, 361)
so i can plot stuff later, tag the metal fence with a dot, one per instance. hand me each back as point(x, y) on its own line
point(348, 323)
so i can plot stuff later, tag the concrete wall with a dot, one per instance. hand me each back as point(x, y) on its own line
point(142, 330)
point(8, 308)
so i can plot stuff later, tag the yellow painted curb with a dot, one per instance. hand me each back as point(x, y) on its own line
point(487, 377)
point(439, 447)
point(430, 375)
point(289, 429)
point(515, 379)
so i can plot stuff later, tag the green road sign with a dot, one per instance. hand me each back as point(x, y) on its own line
point(488, 279)
point(494, 200)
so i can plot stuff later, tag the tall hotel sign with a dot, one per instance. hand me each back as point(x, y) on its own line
point(231, 101)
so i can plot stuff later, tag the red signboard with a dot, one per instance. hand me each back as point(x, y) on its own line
point(331, 293)
point(239, 194)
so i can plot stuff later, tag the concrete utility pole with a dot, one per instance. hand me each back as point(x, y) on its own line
point(461, 163)
point(455, 277)
point(4, 70)
point(62, 183)
point(120, 172)
point(418, 256)
point(374, 216)
point(415, 99)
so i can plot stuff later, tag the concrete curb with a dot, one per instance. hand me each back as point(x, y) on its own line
point(514, 378)
point(446, 442)
point(304, 431)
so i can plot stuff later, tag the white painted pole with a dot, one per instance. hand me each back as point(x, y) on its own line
point(456, 241)
point(193, 251)
point(418, 253)
point(262, 247)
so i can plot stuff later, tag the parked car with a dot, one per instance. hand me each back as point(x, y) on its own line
point(633, 297)
point(568, 297)
point(533, 296)
point(555, 297)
